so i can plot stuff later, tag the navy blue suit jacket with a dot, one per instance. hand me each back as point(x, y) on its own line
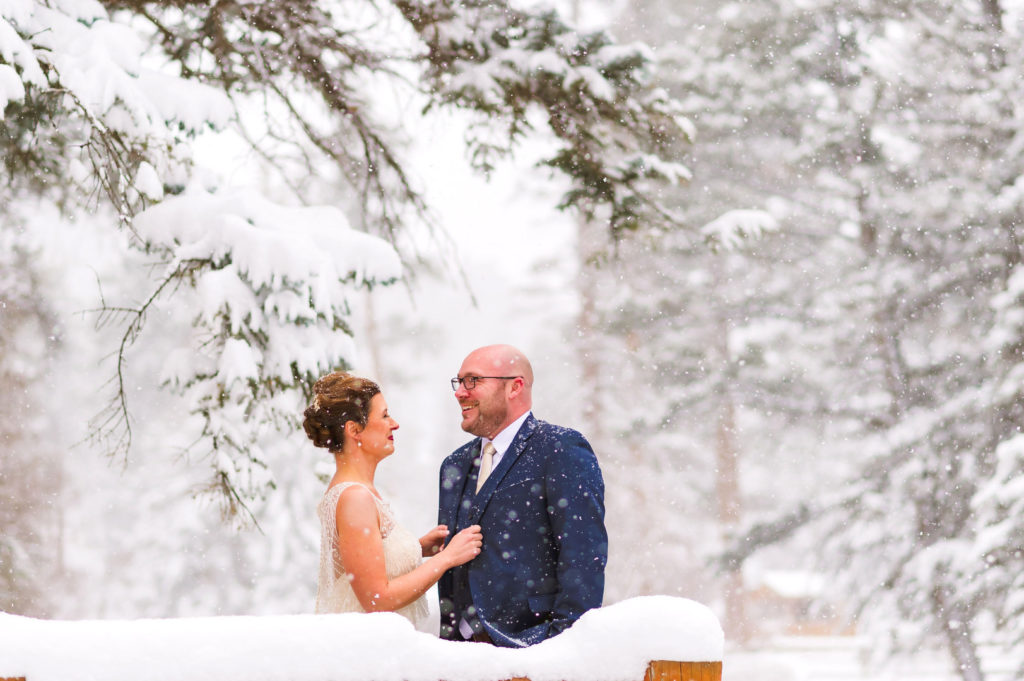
point(545, 547)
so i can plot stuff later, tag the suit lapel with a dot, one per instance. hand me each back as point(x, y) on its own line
point(463, 464)
point(504, 466)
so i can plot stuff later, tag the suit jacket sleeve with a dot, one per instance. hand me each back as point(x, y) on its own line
point(575, 493)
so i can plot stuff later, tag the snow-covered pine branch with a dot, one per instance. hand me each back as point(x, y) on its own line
point(732, 229)
point(103, 100)
point(84, 111)
point(269, 289)
point(597, 97)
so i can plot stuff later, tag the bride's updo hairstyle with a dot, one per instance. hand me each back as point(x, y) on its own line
point(337, 398)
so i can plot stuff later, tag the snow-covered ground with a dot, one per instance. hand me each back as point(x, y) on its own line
point(613, 643)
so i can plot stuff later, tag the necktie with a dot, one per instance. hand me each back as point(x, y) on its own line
point(486, 461)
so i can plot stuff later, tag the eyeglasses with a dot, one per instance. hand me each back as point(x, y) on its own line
point(469, 382)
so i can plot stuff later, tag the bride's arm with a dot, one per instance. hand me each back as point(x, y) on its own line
point(361, 549)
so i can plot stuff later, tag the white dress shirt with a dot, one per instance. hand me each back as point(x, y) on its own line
point(503, 440)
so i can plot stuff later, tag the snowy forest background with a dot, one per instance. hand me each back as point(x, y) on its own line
point(769, 262)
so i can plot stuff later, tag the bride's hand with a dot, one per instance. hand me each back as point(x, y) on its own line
point(465, 546)
point(432, 541)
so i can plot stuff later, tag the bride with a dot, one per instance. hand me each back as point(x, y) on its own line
point(368, 562)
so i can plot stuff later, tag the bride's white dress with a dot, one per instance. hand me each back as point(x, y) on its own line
point(402, 553)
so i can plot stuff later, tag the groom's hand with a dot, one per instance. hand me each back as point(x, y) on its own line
point(433, 541)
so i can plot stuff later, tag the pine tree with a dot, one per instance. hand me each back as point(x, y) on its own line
point(104, 101)
point(883, 135)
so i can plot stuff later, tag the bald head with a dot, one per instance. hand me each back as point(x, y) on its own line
point(504, 360)
point(503, 394)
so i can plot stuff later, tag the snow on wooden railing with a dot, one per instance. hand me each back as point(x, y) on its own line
point(652, 638)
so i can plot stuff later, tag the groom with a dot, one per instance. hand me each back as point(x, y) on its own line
point(537, 493)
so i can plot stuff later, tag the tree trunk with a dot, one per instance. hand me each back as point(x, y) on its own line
point(587, 245)
point(373, 339)
point(957, 629)
point(994, 14)
point(728, 492)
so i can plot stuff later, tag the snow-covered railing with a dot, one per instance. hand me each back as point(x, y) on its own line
point(651, 638)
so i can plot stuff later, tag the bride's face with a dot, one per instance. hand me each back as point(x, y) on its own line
point(378, 436)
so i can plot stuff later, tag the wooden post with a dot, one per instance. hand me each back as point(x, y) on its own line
point(668, 670)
